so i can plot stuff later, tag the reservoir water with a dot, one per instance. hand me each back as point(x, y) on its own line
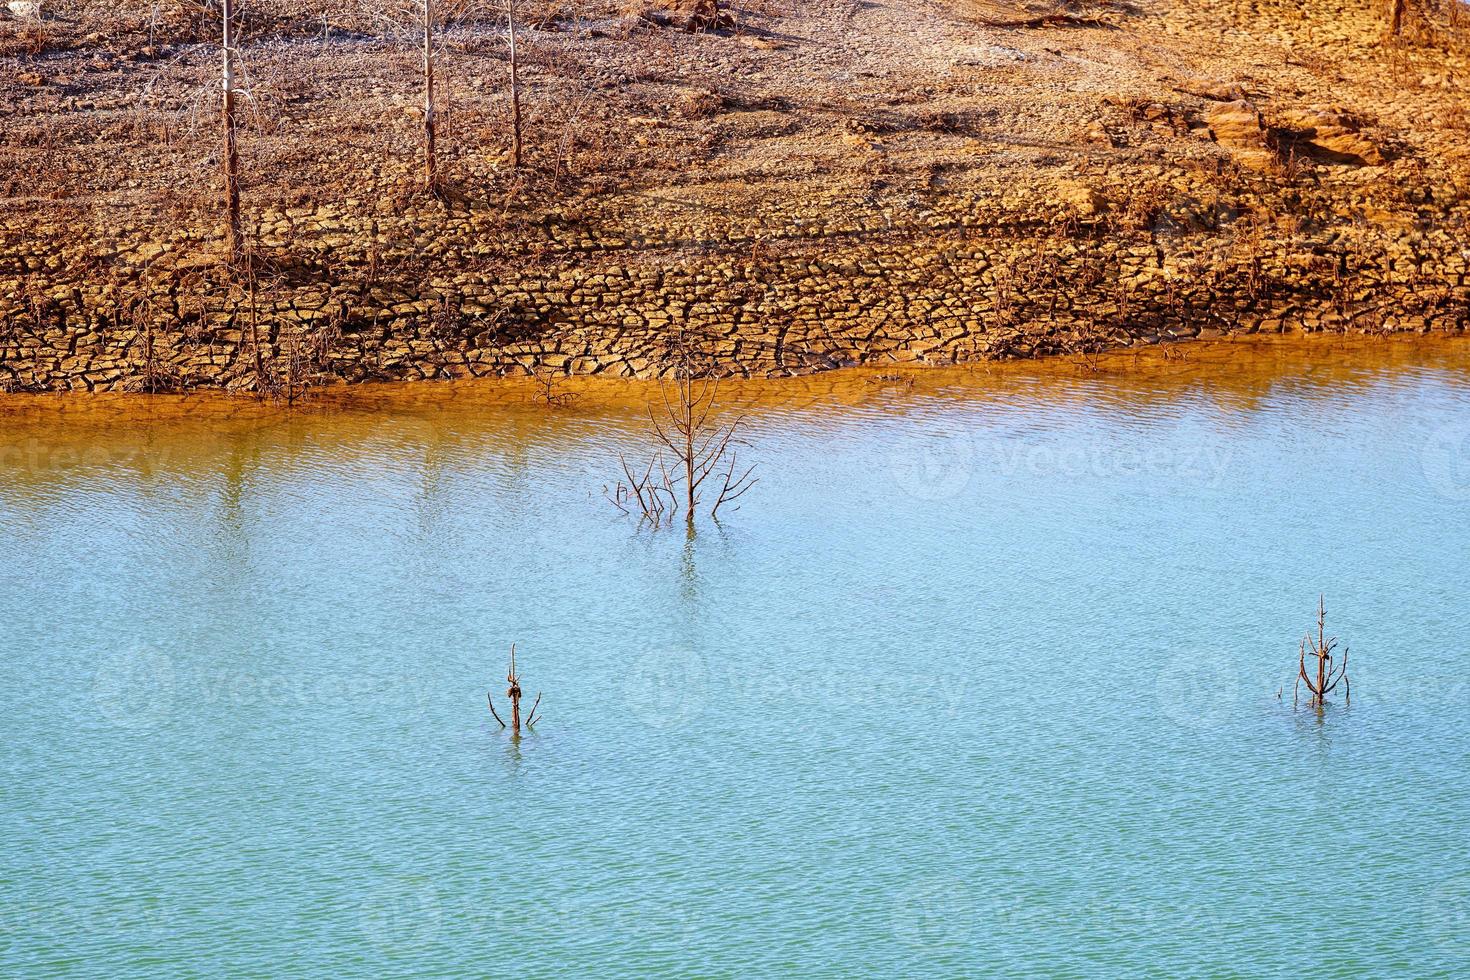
point(981, 679)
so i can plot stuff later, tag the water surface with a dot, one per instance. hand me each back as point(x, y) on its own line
point(981, 679)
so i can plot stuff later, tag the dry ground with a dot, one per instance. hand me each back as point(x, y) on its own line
point(109, 108)
point(802, 184)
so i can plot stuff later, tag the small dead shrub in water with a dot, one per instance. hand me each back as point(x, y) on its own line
point(702, 449)
point(1327, 671)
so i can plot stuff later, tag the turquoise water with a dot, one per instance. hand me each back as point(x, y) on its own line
point(981, 680)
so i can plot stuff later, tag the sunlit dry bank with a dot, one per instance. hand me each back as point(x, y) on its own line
point(792, 186)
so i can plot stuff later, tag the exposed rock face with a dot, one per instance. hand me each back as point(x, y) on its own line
point(1237, 125)
point(859, 183)
point(1214, 90)
point(1083, 200)
point(1327, 134)
point(685, 15)
point(973, 278)
point(1333, 135)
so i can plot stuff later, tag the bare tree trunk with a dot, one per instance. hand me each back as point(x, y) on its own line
point(686, 397)
point(1330, 672)
point(231, 156)
point(1322, 662)
point(1395, 17)
point(515, 87)
point(514, 693)
point(430, 162)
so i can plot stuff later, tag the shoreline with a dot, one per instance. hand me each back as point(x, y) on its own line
point(822, 308)
point(884, 186)
point(1223, 363)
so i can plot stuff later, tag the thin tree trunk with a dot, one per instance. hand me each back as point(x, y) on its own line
point(515, 87)
point(430, 163)
point(688, 395)
point(514, 693)
point(231, 143)
point(1395, 17)
point(1321, 648)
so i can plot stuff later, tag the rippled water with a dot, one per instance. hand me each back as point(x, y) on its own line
point(982, 679)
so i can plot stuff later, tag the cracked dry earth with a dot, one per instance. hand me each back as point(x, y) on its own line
point(906, 85)
point(862, 180)
point(831, 90)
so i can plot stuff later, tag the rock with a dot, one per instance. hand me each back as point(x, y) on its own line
point(699, 103)
point(1097, 133)
point(1215, 91)
point(1237, 126)
point(1082, 199)
point(1333, 135)
point(685, 15)
point(25, 9)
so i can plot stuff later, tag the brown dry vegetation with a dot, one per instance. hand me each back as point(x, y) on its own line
point(837, 110)
point(114, 105)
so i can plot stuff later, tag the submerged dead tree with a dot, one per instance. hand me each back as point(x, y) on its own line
point(513, 692)
point(698, 448)
point(1327, 673)
point(546, 380)
point(230, 155)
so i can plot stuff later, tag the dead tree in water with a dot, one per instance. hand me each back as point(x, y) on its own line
point(1328, 673)
point(231, 149)
point(700, 447)
point(513, 692)
point(653, 493)
point(547, 378)
point(699, 444)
